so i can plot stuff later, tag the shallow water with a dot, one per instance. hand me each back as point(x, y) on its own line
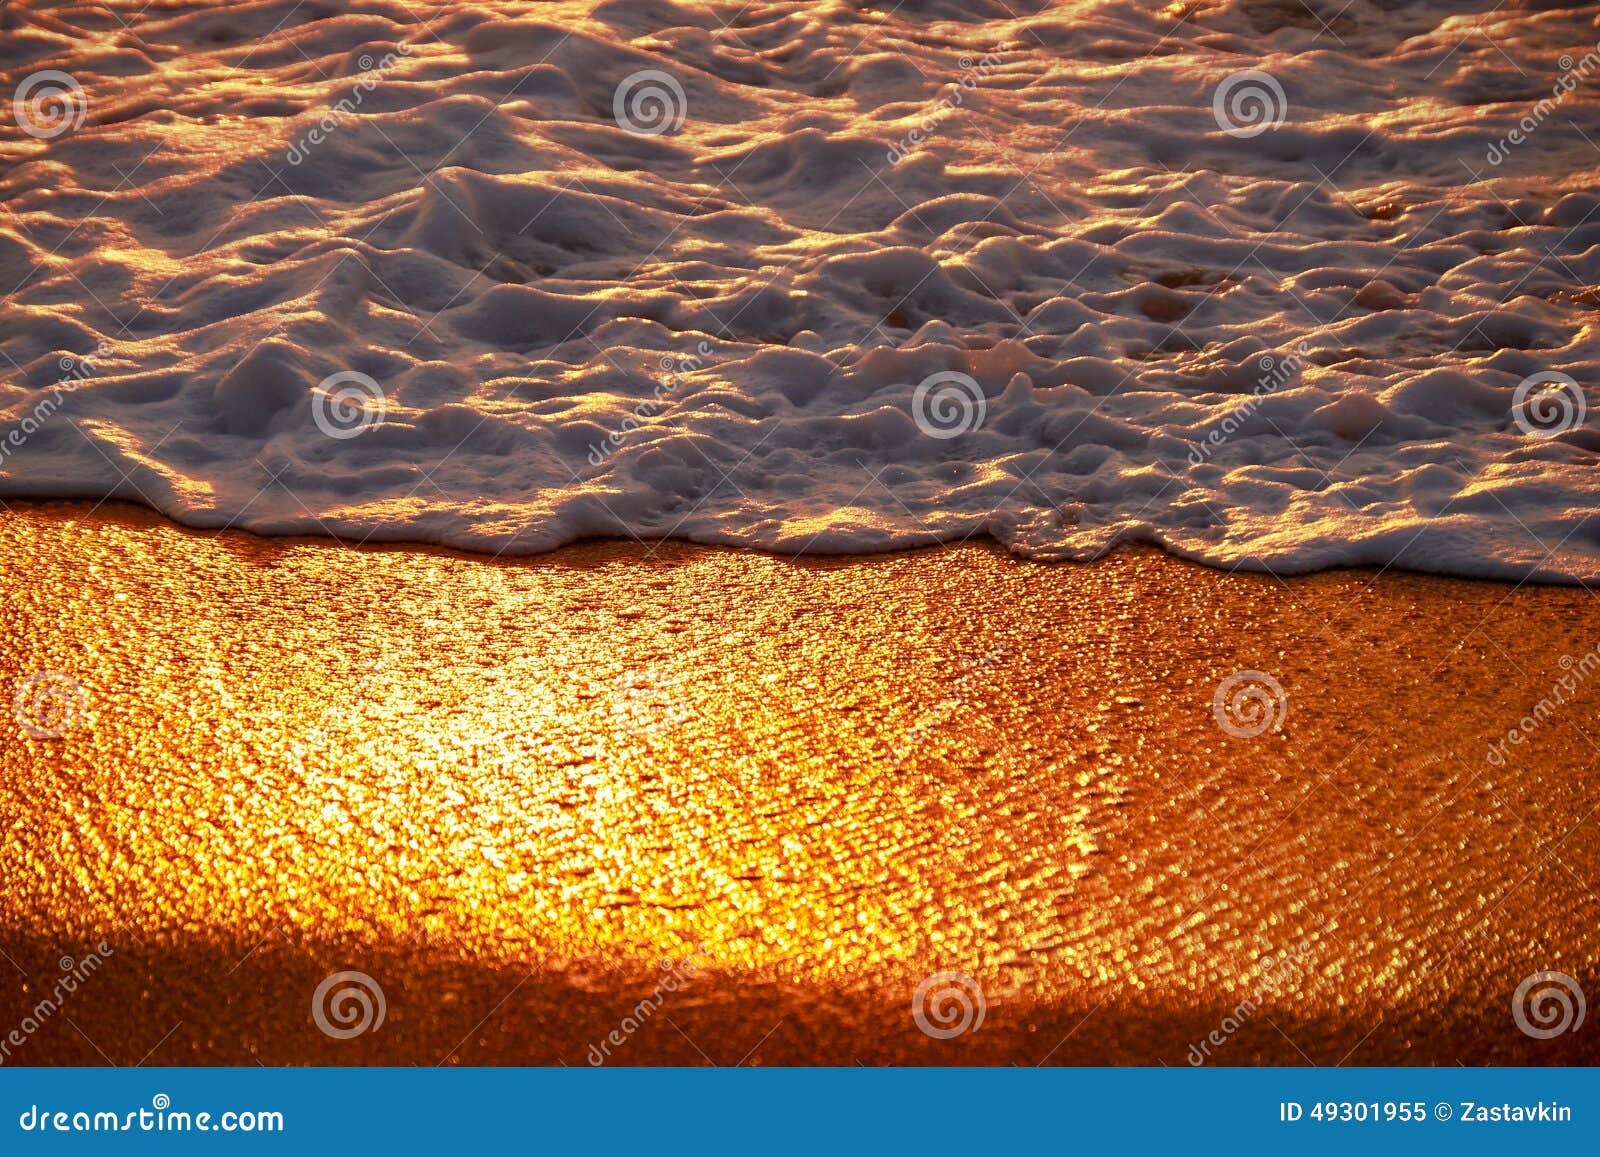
point(816, 277)
point(509, 791)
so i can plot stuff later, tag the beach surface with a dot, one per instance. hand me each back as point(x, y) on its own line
point(939, 807)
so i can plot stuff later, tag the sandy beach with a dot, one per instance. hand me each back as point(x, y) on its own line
point(748, 805)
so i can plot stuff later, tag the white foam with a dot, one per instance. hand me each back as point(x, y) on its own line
point(1294, 350)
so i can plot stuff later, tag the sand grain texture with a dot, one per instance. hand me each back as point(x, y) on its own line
point(508, 790)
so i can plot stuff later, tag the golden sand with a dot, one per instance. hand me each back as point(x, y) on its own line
point(520, 795)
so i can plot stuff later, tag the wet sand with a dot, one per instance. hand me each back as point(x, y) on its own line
point(508, 791)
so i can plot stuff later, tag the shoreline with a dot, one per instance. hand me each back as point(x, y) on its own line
point(137, 513)
point(508, 789)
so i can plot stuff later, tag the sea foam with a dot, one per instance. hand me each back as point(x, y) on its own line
point(1268, 284)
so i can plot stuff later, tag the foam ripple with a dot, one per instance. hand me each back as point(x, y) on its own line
point(819, 278)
